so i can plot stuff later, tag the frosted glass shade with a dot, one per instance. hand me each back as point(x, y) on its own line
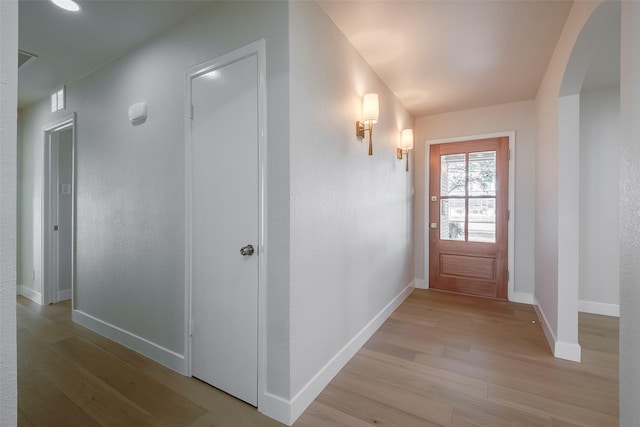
point(407, 139)
point(370, 108)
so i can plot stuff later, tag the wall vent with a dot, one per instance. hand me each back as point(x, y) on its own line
point(25, 58)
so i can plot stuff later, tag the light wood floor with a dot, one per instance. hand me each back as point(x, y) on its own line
point(451, 360)
point(69, 376)
point(440, 360)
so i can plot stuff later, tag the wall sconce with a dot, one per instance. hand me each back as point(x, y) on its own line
point(406, 144)
point(370, 112)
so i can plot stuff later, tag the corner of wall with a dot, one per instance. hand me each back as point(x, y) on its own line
point(29, 293)
point(323, 377)
point(559, 349)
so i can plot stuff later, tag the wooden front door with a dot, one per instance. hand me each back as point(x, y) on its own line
point(468, 208)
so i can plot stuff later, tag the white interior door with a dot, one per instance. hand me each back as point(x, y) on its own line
point(225, 219)
point(59, 208)
point(64, 213)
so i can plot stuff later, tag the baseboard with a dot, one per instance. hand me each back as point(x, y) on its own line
point(548, 333)
point(568, 351)
point(522, 298)
point(420, 284)
point(64, 295)
point(559, 349)
point(599, 308)
point(312, 389)
point(143, 346)
point(29, 293)
point(275, 407)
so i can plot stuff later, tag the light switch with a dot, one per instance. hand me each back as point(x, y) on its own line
point(434, 225)
point(434, 198)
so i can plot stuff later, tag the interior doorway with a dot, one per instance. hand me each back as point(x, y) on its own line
point(58, 209)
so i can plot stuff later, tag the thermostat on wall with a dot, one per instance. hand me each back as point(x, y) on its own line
point(138, 113)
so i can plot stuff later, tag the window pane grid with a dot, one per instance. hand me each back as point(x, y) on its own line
point(467, 197)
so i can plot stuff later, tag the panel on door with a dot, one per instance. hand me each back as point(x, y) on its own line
point(468, 217)
point(225, 228)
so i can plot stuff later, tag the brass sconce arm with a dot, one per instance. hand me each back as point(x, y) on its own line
point(361, 128)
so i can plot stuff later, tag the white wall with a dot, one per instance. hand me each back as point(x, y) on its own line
point(599, 201)
point(518, 117)
point(629, 208)
point(8, 132)
point(558, 304)
point(130, 183)
point(351, 214)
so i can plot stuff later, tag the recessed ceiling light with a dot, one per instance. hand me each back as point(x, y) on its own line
point(69, 5)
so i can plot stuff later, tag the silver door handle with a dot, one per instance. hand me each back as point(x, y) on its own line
point(247, 250)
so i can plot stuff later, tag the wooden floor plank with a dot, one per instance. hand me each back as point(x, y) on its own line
point(559, 410)
point(153, 397)
point(368, 410)
point(96, 398)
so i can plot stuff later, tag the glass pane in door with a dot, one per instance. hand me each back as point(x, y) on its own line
point(452, 214)
point(452, 175)
point(482, 220)
point(482, 173)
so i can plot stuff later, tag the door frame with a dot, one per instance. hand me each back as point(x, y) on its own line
point(258, 49)
point(511, 294)
point(49, 294)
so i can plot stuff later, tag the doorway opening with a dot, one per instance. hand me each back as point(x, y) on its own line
point(58, 211)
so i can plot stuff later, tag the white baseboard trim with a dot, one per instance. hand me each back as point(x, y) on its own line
point(143, 346)
point(312, 389)
point(560, 349)
point(522, 297)
point(64, 295)
point(29, 293)
point(420, 284)
point(276, 407)
point(548, 333)
point(568, 351)
point(599, 308)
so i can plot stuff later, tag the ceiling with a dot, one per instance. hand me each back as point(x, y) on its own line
point(440, 56)
point(435, 55)
point(70, 45)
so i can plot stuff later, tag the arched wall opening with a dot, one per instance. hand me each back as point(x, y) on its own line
point(569, 250)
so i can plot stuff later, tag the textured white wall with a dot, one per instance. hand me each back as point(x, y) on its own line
point(629, 208)
point(130, 180)
point(351, 214)
point(8, 134)
point(31, 158)
point(599, 199)
point(519, 116)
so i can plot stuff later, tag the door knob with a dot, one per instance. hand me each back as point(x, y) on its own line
point(247, 250)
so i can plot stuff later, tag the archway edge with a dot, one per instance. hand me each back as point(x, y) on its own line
point(586, 44)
